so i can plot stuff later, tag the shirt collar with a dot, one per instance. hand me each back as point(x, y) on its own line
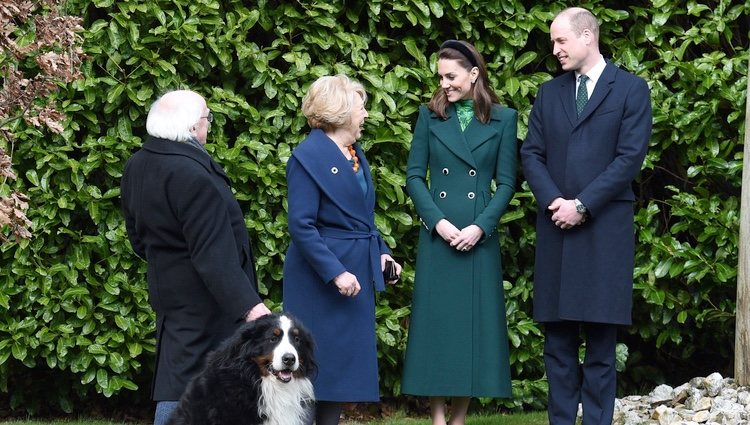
point(595, 72)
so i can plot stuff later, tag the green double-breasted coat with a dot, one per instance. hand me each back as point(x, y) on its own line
point(458, 341)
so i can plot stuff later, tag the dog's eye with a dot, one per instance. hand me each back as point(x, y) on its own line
point(296, 338)
point(274, 339)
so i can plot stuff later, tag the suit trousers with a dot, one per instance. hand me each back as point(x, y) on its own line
point(593, 384)
point(164, 410)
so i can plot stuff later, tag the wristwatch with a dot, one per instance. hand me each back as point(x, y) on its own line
point(580, 207)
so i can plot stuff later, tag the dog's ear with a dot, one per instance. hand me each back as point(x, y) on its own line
point(254, 330)
point(310, 366)
point(235, 347)
point(251, 336)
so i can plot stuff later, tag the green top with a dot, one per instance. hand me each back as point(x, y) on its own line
point(465, 111)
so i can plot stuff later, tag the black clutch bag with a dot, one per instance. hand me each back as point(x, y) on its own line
point(389, 272)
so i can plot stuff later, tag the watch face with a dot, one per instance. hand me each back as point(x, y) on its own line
point(580, 208)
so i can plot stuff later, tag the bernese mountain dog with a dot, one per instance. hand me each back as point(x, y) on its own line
point(259, 375)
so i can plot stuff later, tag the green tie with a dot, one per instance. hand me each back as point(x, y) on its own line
point(583, 95)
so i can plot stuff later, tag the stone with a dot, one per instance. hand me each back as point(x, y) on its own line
point(711, 400)
point(701, 416)
point(713, 384)
point(662, 393)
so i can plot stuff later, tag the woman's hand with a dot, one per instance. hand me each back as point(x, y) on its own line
point(386, 257)
point(447, 230)
point(347, 284)
point(467, 238)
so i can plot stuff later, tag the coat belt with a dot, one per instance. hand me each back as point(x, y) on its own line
point(377, 273)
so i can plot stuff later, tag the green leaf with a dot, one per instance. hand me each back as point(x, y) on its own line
point(32, 177)
point(19, 351)
point(523, 60)
point(122, 323)
point(75, 291)
point(663, 268)
point(102, 378)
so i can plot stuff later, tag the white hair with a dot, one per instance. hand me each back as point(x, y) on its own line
point(174, 114)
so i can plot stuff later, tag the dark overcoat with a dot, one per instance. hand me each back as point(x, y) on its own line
point(332, 226)
point(183, 219)
point(458, 341)
point(586, 273)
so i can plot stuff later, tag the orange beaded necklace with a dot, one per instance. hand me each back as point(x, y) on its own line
point(353, 153)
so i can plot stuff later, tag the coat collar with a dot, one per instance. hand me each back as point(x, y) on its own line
point(462, 144)
point(325, 164)
point(601, 90)
point(170, 147)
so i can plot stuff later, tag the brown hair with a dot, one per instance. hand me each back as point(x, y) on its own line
point(481, 92)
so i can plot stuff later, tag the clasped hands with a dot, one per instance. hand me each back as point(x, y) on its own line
point(464, 239)
point(349, 286)
point(564, 213)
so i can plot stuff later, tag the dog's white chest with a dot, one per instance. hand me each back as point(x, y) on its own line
point(285, 403)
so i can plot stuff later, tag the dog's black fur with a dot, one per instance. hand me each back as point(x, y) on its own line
point(230, 388)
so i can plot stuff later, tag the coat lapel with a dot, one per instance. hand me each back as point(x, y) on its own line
point(601, 90)
point(168, 147)
point(365, 166)
point(478, 134)
point(323, 160)
point(449, 134)
point(567, 97)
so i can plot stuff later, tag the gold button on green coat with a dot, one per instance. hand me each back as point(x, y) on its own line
point(458, 341)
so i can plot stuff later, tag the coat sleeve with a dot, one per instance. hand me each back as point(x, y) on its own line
point(416, 173)
point(534, 157)
point(630, 151)
point(207, 229)
point(126, 191)
point(505, 177)
point(303, 203)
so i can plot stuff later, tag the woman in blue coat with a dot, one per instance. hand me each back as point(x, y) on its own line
point(336, 259)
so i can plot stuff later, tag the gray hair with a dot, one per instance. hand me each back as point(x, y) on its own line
point(173, 115)
point(329, 102)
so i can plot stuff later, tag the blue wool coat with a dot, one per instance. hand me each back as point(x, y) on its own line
point(332, 226)
point(586, 273)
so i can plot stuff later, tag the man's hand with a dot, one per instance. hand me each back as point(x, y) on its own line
point(564, 213)
point(259, 310)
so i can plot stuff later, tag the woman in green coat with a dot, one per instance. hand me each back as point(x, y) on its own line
point(458, 341)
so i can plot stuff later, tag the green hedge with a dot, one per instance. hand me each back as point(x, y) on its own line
point(74, 300)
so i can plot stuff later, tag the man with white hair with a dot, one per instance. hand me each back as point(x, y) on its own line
point(183, 219)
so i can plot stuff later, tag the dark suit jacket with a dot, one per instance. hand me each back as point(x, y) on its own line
point(183, 219)
point(586, 273)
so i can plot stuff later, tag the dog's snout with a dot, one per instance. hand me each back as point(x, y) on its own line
point(288, 359)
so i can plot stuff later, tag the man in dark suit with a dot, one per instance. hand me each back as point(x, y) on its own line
point(588, 134)
point(183, 219)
